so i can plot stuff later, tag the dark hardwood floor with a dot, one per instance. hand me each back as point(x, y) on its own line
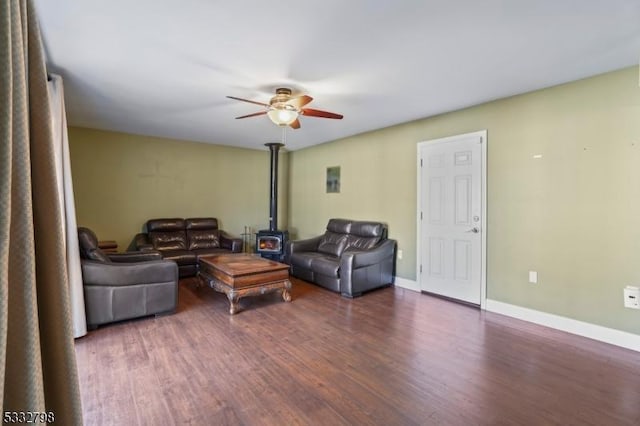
point(391, 357)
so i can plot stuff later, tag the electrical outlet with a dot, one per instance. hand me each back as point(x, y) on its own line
point(533, 277)
point(632, 297)
point(399, 254)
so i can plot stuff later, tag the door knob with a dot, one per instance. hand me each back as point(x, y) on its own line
point(475, 230)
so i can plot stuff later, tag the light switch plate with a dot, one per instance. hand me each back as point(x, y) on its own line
point(533, 277)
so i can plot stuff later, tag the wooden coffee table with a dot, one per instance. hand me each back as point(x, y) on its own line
point(240, 275)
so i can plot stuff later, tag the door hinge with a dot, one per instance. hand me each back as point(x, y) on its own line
point(421, 162)
point(420, 215)
point(420, 268)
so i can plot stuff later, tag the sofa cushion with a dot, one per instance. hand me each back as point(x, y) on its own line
point(209, 251)
point(361, 243)
point(368, 229)
point(163, 225)
point(201, 223)
point(339, 226)
point(181, 257)
point(326, 265)
point(365, 235)
point(173, 240)
point(203, 239)
point(303, 259)
point(332, 243)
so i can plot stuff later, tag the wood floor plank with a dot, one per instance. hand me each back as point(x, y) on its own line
point(390, 357)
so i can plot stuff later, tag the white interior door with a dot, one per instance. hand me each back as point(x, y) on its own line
point(452, 217)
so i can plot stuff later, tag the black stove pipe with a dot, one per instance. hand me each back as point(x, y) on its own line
point(274, 147)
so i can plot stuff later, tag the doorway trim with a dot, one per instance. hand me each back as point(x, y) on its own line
point(483, 244)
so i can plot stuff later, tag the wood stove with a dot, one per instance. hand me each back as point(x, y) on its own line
point(270, 242)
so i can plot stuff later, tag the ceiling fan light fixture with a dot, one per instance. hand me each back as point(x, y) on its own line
point(283, 109)
point(282, 117)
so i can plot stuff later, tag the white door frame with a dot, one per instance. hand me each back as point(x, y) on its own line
point(483, 261)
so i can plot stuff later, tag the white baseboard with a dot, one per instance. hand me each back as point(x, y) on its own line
point(592, 331)
point(408, 284)
point(580, 328)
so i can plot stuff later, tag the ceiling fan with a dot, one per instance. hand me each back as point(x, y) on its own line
point(283, 109)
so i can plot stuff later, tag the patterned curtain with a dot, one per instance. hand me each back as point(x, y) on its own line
point(37, 358)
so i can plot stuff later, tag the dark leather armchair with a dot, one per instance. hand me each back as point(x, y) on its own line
point(120, 286)
point(184, 240)
point(351, 257)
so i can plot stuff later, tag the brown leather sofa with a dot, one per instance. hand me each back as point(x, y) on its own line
point(351, 257)
point(184, 240)
point(120, 286)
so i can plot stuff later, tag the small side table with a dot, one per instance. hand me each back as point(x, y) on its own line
point(108, 246)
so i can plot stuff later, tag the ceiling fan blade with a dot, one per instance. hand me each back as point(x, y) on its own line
point(247, 100)
point(317, 113)
point(300, 101)
point(252, 115)
point(295, 124)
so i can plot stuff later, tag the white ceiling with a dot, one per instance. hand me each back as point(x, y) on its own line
point(163, 68)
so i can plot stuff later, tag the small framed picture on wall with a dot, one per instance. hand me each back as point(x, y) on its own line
point(333, 179)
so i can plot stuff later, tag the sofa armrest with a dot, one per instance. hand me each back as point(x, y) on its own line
point(297, 246)
point(362, 270)
point(310, 244)
point(123, 274)
point(135, 256)
point(141, 242)
point(373, 256)
point(230, 243)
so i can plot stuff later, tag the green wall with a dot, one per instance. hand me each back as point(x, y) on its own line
point(121, 180)
point(570, 215)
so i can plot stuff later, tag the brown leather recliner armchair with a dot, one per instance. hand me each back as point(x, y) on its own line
point(351, 257)
point(120, 286)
